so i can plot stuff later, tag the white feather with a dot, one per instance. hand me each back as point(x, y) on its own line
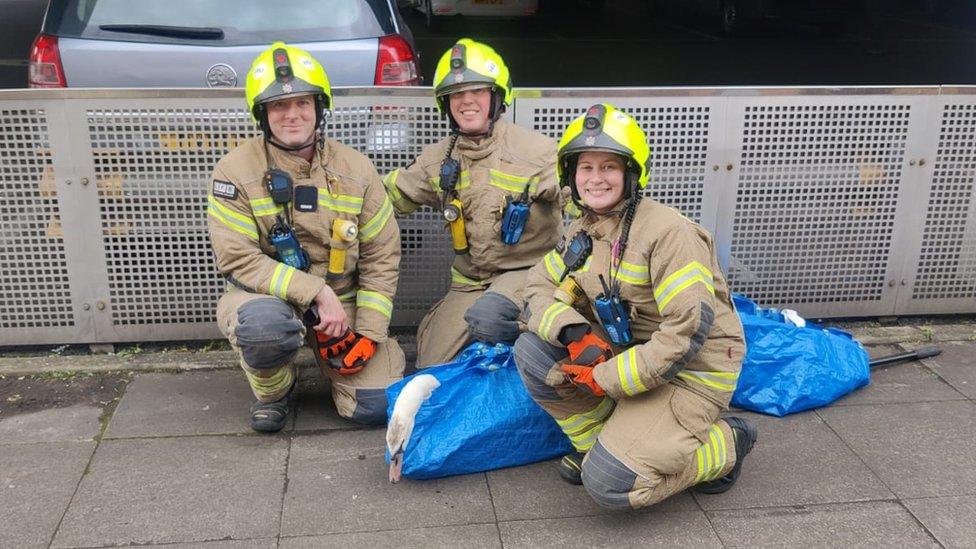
point(400, 427)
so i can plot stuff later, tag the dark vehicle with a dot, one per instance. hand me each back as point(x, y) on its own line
point(201, 43)
point(735, 16)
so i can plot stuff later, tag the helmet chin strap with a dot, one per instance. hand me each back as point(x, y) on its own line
point(274, 143)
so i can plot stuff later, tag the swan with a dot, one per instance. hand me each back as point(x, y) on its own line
point(400, 427)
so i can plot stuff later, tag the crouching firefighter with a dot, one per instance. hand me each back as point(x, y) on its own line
point(304, 232)
point(633, 346)
point(495, 185)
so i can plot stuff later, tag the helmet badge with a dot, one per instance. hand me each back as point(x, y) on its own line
point(286, 87)
point(589, 140)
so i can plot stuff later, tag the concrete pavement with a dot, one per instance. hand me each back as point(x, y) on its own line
point(175, 464)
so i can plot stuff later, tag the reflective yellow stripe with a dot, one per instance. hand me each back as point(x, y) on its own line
point(461, 279)
point(464, 181)
point(232, 219)
point(340, 202)
point(373, 227)
point(711, 456)
point(264, 207)
point(272, 385)
point(583, 429)
point(586, 265)
point(402, 203)
point(634, 274)
point(512, 183)
point(572, 210)
point(550, 316)
point(348, 296)
point(722, 381)
point(628, 373)
point(683, 278)
point(280, 279)
point(554, 265)
point(375, 301)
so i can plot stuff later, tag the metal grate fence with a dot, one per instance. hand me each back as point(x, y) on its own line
point(836, 202)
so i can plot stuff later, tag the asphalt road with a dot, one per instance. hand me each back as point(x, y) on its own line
point(627, 45)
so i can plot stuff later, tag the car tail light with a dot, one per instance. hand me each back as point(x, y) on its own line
point(45, 70)
point(396, 64)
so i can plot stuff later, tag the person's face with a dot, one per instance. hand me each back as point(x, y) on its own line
point(292, 120)
point(600, 180)
point(470, 109)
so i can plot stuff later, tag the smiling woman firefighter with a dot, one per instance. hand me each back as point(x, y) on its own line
point(633, 346)
point(495, 185)
point(304, 233)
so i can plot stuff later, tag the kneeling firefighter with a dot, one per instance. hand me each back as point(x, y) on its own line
point(633, 346)
point(304, 232)
point(495, 184)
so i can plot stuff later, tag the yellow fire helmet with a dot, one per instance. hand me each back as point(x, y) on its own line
point(469, 65)
point(604, 128)
point(283, 71)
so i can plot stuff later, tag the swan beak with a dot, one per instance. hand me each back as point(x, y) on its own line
point(396, 465)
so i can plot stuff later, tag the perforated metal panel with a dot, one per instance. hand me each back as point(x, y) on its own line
point(815, 207)
point(677, 135)
point(947, 264)
point(393, 135)
point(34, 283)
point(152, 167)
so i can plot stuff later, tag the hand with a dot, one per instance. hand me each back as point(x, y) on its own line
point(582, 377)
point(332, 317)
point(347, 354)
point(589, 350)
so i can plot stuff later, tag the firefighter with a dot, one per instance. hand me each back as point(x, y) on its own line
point(304, 233)
point(495, 183)
point(633, 344)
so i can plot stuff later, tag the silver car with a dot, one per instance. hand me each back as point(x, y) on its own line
point(200, 43)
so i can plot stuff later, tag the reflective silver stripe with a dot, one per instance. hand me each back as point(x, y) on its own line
point(375, 301)
point(373, 227)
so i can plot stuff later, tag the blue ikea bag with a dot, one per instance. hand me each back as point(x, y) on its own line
point(789, 369)
point(480, 418)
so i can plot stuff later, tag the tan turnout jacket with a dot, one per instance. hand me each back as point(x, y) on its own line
point(685, 328)
point(497, 167)
point(347, 186)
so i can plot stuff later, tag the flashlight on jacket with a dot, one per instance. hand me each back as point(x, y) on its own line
point(344, 233)
point(570, 293)
point(455, 220)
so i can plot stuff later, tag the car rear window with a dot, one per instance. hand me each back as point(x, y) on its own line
point(242, 22)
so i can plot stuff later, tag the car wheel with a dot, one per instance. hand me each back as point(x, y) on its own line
point(732, 23)
point(430, 21)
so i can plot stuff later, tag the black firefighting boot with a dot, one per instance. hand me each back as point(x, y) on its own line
point(571, 468)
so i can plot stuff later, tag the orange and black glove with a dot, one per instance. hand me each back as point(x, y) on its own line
point(582, 377)
point(588, 350)
point(348, 353)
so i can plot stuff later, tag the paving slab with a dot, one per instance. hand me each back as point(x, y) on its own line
point(789, 464)
point(902, 382)
point(74, 423)
point(178, 490)
point(472, 536)
point(957, 366)
point(36, 484)
point(338, 483)
point(950, 520)
point(314, 407)
point(865, 524)
point(918, 449)
point(536, 491)
point(627, 529)
point(191, 403)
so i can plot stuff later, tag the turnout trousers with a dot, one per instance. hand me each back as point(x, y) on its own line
point(471, 310)
point(639, 450)
point(266, 332)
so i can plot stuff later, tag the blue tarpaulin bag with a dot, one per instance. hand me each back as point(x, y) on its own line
point(480, 418)
point(788, 369)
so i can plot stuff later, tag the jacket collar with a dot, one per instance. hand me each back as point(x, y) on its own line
point(472, 150)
